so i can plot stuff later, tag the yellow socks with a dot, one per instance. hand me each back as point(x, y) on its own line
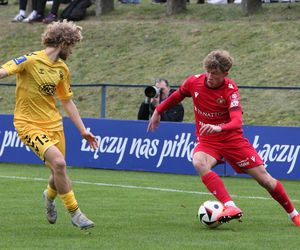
point(68, 198)
point(69, 201)
point(51, 193)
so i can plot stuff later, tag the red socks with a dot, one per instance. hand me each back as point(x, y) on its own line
point(279, 194)
point(216, 186)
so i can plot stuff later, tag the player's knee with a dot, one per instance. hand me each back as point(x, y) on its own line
point(200, 165)
point(58, 165)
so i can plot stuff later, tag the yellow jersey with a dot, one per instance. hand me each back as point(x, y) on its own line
point(38, 82)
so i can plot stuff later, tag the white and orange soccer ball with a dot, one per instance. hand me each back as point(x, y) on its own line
point(208, 213)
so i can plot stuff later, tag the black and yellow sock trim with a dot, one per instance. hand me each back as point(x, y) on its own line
point(69, 201)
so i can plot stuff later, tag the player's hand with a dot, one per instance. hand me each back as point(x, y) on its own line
point(154, 121)
point(210, 129)
point(91, 139)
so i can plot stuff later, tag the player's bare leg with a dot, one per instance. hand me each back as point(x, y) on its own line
point(60, 181)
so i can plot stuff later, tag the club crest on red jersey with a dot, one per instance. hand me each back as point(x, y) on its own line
point(221, 101)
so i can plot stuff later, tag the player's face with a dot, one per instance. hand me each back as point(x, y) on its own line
point(65, 52)
point(215, 78)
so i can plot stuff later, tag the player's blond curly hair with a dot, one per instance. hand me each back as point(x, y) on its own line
point(64, 32)
point(218, 60)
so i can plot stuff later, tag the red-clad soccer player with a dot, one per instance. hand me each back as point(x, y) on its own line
point(218, 118)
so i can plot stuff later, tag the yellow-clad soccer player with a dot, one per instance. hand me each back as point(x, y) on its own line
point(41, 76)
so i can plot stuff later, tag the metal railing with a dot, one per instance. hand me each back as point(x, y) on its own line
point(104, 87)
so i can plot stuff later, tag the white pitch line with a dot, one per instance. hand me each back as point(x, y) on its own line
point(137, 187)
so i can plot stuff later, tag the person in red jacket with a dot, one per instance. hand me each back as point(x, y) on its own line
point(218, 119)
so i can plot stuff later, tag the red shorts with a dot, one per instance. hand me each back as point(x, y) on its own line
point(239, 153)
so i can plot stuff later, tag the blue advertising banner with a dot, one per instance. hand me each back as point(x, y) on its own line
point(126, 145)
point(11, 148)
point(279, 148)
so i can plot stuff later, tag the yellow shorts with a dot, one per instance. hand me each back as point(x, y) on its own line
point(39, 140)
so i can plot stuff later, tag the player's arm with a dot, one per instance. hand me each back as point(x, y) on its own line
point(173, 99)
point(235, 112)
point(72, 111)
point(3, 73)
point(236, 122)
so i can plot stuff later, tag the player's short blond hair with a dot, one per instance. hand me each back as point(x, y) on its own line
point(218, 60)
point(64, 32)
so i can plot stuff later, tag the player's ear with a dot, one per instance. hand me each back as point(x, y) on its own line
point(61, 46)
point(64, 45)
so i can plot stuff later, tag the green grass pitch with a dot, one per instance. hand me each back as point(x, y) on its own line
point(137, 210)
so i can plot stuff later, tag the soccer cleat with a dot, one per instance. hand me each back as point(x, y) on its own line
point(80, 220)
point(51, 212)
point(229, 213)
point(296, 220)
point(18, 18)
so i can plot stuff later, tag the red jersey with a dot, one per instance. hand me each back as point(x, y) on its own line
point(212, 106)
point(219, 106)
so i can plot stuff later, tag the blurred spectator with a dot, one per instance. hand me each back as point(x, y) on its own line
point(37, 14)
point(53, 14)
point(3, 2)
point(130, 1)
point(21, 17)
point(164, 1)
point(39, 17)
point(159, 1)
point(158, 94)
point(76, 10)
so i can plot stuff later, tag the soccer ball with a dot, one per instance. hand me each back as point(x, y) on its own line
point(208, 213)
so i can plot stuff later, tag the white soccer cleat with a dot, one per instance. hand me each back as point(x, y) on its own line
point(80, 220)
point(51, 212)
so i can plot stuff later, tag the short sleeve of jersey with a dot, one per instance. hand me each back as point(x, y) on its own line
point(15, 65)
point(63, 89)
point(185, 88)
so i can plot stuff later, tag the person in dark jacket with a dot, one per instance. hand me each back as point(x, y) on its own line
point(174, 114)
